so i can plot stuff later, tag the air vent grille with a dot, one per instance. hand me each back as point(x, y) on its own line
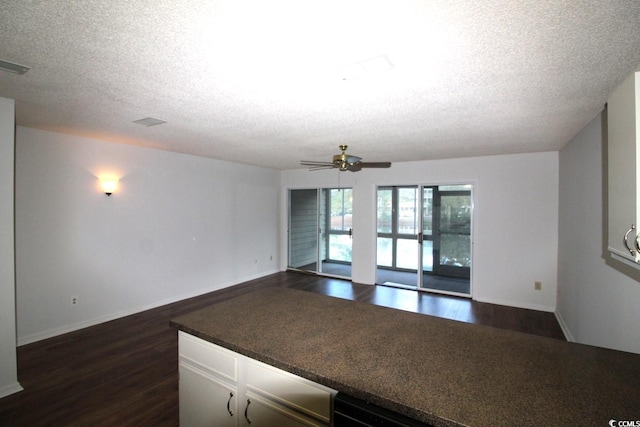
point(149, 121)
point(12, 67)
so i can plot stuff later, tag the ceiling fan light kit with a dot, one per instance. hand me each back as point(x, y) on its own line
point(344, 162)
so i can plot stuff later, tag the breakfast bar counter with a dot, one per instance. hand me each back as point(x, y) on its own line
point(438, 371)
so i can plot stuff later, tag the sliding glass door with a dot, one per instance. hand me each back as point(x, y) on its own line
point(320, 231)
point(424, 237)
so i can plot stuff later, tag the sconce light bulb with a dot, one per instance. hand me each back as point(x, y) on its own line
point(108, 185)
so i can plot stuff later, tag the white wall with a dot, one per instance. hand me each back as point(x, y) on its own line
point(8, 367)
point(597, 304)
point(515, 219)
point(177, 226)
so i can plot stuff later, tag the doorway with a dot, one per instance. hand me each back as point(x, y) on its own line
point(424, 237)
point(321, 230)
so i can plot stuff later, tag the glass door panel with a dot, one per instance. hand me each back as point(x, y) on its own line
point(427, 229)
point(385, 252)
point(427, 256)
point(337, 242)
point(407, 255)
point(446, 249)
point(398, 253)
point(340, 248)
point(303, 230)
point(455, 234)
point(385, 210)
point(340, 226)
point(407, 211)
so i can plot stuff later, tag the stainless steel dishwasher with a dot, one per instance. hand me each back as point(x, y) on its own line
point(351, 412)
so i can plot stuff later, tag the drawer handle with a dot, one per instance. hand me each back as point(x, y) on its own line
point(246, 410)
point(626, 240)
point(229, 403)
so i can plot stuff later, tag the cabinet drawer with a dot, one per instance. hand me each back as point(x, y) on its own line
point(290, 390)
point(210, 357)
point(264, 412)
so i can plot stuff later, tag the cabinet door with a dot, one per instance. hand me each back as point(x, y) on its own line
point(288, 390)
point(623, 168)
point(206, 400)
point(213, 378)
point(262, 412)
point(211, 358)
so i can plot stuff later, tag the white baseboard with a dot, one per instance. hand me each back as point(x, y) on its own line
point(50, 333)
point(565, 329)
point(10, 389)
point(537, 307)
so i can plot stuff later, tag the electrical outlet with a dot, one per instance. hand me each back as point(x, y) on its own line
point(74, 300)
point(537, 286)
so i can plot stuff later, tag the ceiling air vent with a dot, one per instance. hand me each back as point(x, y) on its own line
point(12, 67)
point(149, 121)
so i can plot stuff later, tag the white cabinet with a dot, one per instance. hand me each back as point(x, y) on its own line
point(208, 389)
point(623, 120)
point(264, 412)
point(286, 398)
point(222, 388)
point(203, 397)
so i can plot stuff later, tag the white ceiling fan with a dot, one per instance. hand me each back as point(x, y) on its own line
point(344, 162)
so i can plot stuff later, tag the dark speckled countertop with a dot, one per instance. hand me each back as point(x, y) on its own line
point(435, 370)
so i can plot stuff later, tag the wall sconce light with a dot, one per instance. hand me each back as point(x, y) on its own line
point(108, 185)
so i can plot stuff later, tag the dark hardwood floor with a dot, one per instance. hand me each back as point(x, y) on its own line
point(124, 372)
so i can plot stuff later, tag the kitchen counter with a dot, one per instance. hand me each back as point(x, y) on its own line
point(439, 371)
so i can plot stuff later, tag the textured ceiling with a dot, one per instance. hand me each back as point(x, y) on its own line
point(272, 82)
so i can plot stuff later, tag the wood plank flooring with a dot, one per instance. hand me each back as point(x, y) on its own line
point(124, 372)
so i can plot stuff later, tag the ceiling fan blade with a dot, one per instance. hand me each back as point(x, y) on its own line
point(374, 164)
point(313, 163)
point(321, 167)
point(355, 167)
